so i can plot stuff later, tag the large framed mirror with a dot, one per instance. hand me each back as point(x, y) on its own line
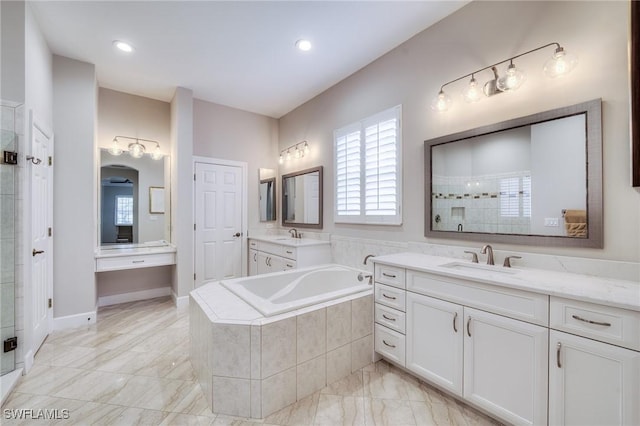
point(533, 180)
point(267, 195)
point(302, 198)
point(134, 200)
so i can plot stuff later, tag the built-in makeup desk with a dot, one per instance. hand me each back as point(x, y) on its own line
point(134, 256)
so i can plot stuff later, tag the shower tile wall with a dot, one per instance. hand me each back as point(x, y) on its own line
point(11, 121)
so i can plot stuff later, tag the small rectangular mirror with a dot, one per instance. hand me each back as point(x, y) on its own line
point(302, 198)
point(530, 180)
point(267, 194)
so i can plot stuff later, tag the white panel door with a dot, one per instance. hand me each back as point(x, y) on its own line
point(592, 383)
point(41, 242)
point(506, 367)
point(218, 224)
point(434, 341)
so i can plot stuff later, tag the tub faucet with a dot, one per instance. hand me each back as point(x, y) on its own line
point(364, 262)
point(488, 249)
point(294, 233)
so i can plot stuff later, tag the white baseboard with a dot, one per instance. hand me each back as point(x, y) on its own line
point(134, 296)
point(73, 321)
point(28, 361)
point(180, 302)
point(8, 382)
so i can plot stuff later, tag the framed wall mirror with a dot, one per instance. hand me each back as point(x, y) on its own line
point(302, 198)
point(533, 180)
point(267, 194)
point(133, 200)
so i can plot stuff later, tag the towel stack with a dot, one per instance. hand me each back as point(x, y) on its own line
point(575, 222)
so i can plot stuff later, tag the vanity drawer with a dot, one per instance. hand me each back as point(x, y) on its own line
point(390, 344)
point(390, 317)
point(390, 275)
point(289, 252)
point(604, 323)
point(132, 262)
point(390, 296)
point(270, 248)
point(253, 244)
point(288, 264)
point(510, 302)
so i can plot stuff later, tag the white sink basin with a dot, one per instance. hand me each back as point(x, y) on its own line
point(477, 268)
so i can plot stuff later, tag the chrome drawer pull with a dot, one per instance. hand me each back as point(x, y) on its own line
point(385, 342)
point(384, 274)
point(137, 261)
point(289, 252)
point(455, 319)
point(558, 355)
point(469, 326)
point(387, 318)
point(388, 297)
point(605, 324)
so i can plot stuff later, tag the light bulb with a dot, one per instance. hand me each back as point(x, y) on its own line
point(288, 157)
point(156, 154)
point(115, 148)
point(281, 159)
point(306, 149)
point(561, 63)
point(136, 150)
point(472, 93)
point(442, 102)
point(512, 79)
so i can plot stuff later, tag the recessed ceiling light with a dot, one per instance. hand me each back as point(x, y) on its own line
point(123, 46)
point(304, 45)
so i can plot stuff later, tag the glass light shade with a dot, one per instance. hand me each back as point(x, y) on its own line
point(561, 63)
point(115, 148)
point(156, 154)
point(442, 102)
point(473, 92)
point(136, 150)
point(281, 159)
point(288, 157)
point(512, 79)
point(306, 149)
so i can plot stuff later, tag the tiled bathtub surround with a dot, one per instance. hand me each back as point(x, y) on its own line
point(253, 366)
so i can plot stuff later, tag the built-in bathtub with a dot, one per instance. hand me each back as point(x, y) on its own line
point(258, 344)
point(273, 294)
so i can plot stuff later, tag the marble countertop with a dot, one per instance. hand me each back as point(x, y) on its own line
point(606, 291)
point(133, 250)
point(291, 242)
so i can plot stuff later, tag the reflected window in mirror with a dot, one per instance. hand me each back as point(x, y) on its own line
point(302, 198)
point(531, 180)
point(267, 201)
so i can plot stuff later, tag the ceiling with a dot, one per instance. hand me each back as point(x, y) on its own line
point(236, 53)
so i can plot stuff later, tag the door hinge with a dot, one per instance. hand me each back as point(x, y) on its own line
point(194, 277)
point(10, 344)
point(50, 302)
point(194, 226)
point(50, 160)
point(50, 231)
point(194, 177)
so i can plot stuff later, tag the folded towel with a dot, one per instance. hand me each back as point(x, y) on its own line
point(576, 230)
point(575, 216)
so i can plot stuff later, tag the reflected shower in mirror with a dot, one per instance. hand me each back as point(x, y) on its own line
point(522, 181)
point(128, 214)
point(267, 195)
point(302, 198)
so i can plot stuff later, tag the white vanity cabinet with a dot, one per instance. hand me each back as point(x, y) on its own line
point(281, 254)
point(592, 382)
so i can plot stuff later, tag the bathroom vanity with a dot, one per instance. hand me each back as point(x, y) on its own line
point(133, 256)
point(280, 253)
point(526, 346)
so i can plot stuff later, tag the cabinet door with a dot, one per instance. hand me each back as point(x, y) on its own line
point(253, 262)
point(592, 383)
point(434, 341)
point(264, 263)
point(506, 367)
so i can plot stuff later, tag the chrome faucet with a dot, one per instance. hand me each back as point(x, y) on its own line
point(294, 233)
point(488, 249)
point(364, 262)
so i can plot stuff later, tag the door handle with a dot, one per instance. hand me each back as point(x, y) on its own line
point(237, 234)
point(34, 252)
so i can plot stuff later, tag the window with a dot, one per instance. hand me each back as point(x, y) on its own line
point(515, 200)
point(124, 210)
point(368, 170)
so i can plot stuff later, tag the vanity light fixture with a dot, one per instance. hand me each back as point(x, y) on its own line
point(136, 149)
point(561, 63)
point(300, 149)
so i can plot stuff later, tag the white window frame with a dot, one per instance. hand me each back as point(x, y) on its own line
point(363, 217)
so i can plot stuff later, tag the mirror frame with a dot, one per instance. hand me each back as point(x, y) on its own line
point(320, 199)
point(275, 210)
point(593, 111)
point(634, 53)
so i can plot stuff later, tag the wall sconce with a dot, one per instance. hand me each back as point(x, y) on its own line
point(561, 63)
point(298, 150)
point(136, 149)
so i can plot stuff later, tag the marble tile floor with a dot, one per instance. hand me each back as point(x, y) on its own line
point(133, 367)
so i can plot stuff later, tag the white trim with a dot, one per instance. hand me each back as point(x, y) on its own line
point(8, 382)
point(180, 302)
point(28, 361)
point(73, 321)
point(134, 296)
point(245, 205)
